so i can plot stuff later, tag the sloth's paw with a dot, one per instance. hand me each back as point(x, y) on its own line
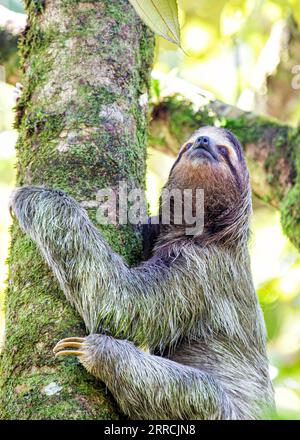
point(91, 352)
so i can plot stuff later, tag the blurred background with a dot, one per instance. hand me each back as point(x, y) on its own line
point(242, 52)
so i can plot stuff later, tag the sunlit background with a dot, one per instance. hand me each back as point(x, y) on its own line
point(242, 52)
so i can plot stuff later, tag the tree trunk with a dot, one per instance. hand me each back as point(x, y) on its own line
point(271, 149)
point(83, 126)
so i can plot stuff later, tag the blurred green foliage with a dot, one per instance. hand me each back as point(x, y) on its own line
point(6, 105)
point(9, 57)
point(229, 46)
point(229, 50)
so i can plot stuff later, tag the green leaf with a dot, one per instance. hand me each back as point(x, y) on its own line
point(13, 5)
point(161, 16)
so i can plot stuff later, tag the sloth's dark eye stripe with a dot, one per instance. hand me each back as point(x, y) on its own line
point(235, 142)
point(233, 170)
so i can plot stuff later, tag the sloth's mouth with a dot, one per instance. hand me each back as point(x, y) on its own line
point(204, 152)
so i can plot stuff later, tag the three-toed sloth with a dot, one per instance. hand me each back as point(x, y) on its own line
point(192, 302)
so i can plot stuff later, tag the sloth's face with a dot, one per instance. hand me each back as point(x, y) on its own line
point(211, 145)
point(211, 157)
point(212, 160)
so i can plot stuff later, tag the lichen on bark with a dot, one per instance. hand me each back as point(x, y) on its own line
point(81, 128)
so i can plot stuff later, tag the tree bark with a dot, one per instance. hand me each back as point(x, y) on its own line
point(83, 126)
point(271, 148)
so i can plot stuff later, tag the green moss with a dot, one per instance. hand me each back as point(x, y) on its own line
point(290, 215)
point(40, 68)
point(118, 10)
point(248, 130)
point(284, 151)
point(184, 118)
point(290, 206)
point(34, 6)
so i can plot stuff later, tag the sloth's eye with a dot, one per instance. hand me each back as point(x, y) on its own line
point(223, 150)
point(189, 145)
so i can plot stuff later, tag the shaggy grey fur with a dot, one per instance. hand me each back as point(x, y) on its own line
point(192, 303)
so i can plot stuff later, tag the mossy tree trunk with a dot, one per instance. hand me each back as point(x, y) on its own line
point(272, 149)
point(82, 126)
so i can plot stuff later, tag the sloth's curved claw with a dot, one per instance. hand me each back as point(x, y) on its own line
point(61, 346)
point(66, 345)
point(75, 339)
point(69, 353)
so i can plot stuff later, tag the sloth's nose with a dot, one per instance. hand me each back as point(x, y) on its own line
point(202, 141)
point(204, 145)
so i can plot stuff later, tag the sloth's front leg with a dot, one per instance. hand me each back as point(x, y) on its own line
point(105, 291)
point(75, 250)
point(147, 386)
